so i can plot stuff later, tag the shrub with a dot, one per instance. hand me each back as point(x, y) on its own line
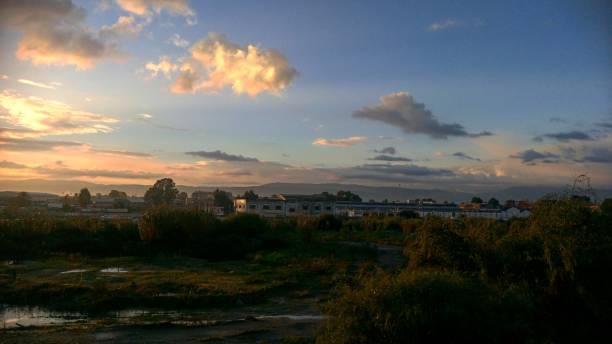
point(426, 307)
point(177, 230)
point(328, 222)
point(435, 244)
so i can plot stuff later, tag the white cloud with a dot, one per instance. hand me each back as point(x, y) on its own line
point(444, 25)
point(164, 66)
point(341, 142)
point(35, 84)
point(3, 77)
point(179, 41)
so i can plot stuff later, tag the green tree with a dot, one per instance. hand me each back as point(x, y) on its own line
point(250, 195)
point(493, 203)
point(347, 196)
point(181, 199)
point(84, 197)
point(222, 199)
point(117, 194)
point(606, 206)
point(477, 200)
point(163, 192)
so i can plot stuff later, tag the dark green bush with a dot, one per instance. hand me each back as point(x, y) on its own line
point(40, 235)
point(427, 307)
point(328, 222)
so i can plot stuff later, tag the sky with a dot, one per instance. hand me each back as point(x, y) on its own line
point(462, 95)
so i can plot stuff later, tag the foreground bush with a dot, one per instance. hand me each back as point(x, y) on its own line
point(427, 307)
point(200, 234)
point(40, 235)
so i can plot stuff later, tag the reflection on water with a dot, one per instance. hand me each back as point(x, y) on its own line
point(114, 270)
point(19, 316)
point(73, 271)
point(11, 317)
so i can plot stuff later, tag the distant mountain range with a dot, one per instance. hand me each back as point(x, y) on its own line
point(377, 193)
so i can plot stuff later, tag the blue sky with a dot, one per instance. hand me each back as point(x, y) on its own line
point(518, 70)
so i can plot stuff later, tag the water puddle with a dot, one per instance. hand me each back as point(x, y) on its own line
point(292, 317)
point(13, 317)
point(17, 316)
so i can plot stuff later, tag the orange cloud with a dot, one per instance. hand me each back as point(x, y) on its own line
point(150, 7)
point(55, 33)
point(216, 63)
point(49, 117)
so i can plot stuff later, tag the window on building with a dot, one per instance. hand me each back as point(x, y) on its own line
point(317, 207)
point(304, 207)
point(292, 210)
point(253, 206)
point(278, 207)
point(328, 208)
point(266, 207)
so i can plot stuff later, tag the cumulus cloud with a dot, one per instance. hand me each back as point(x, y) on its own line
point(444, 25)
point(389, 158)
point(55, 33)
point(386, 150)
point(178, 41)
point(221, 156)
point(341, 142)
point(50, 117)
point(215, 63)
point(35, 84)
point(462, 155)
point(531, 156)
point(402, 111)
point(164, 66)
point(565, 136)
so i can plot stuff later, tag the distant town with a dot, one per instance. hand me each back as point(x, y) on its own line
point(118, 205)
